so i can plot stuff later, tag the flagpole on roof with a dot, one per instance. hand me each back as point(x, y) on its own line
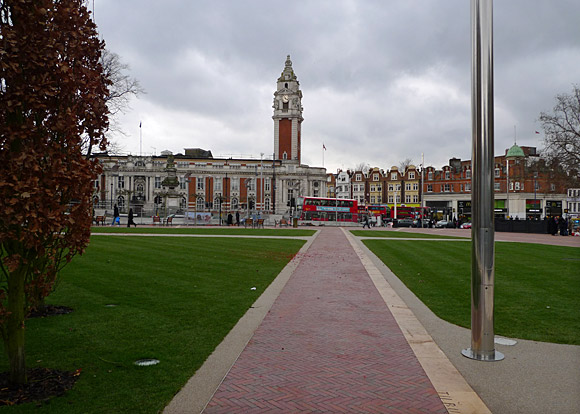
point(140, 140)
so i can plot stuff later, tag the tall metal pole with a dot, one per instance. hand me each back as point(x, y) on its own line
point(482, 195)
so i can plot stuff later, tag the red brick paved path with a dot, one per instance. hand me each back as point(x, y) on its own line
point(329, 345)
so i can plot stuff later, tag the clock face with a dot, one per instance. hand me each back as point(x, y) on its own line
point(285, 98)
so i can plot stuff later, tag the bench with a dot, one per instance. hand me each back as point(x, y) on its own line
point(249, 222)
point(260, 223)
point(169, 221)
point(156, 220)
point(283, 222)
point(100, 220)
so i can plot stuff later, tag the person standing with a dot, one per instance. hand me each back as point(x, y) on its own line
point(130, 219)
point(238, 218)
point(554, 228)
point(230, 219)
point(563, 226)
point(116, 219)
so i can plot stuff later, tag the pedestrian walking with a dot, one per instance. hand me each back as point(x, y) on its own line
point(130, 219)
point(366, 222)
point(116, 219)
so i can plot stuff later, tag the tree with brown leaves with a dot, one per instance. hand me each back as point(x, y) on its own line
point(52, 109)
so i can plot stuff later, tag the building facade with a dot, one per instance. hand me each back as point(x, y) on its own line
point(216, 186)
point(525, 188)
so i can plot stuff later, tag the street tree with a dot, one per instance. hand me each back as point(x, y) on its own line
point(52, 105)
point(562, 132)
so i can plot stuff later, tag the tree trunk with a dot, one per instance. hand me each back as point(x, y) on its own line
point(14, 337)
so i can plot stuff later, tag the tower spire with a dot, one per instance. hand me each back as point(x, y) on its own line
point(287, 115)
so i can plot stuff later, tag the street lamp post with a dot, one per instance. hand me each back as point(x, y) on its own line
point(422, 195)
point(219, 198)
point(536, 209)
point(273, 184)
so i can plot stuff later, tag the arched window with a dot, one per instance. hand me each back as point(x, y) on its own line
point(216, 203)
point(284, 156)
point(267, 204)
point(140, 188)
point(235, 203)
point(121, 202)
point(183, 203)
point(200, 204)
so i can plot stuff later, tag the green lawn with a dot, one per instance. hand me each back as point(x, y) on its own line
point(174, 299)
point(403, 234)
point(537, 287)
point(236, 231)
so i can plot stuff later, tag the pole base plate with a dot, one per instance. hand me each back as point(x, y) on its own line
point(489, 357)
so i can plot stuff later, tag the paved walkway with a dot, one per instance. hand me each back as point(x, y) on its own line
point(330, 344)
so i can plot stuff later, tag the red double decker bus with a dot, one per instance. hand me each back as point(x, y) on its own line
point(327, 209)
point(411, 212)
point(379, 210)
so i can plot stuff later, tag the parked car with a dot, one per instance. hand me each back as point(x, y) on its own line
point(417, 223)
point(465, 226)
point(444, 224)
point(406, 222)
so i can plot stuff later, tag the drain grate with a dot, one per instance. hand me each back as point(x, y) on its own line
point(504, 341)
point(146, 362)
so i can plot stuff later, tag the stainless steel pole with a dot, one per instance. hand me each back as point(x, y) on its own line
point(482, 195)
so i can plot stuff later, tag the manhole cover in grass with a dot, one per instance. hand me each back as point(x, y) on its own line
point(146, 362)
point(504, 341)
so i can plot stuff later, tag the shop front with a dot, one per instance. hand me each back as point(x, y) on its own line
point(464, 210)
point(500, 209)
point(533, 209)
point(553, 208)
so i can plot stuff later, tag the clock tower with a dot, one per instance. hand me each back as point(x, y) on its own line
point(287, 115)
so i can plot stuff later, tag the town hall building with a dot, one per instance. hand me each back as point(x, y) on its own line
point(195, 182)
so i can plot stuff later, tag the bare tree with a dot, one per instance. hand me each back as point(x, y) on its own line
point(562, 132)
point(362, 166)
point(123, 87)
point(403, 166)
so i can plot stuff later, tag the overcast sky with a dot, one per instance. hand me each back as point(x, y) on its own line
point(382, 81)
